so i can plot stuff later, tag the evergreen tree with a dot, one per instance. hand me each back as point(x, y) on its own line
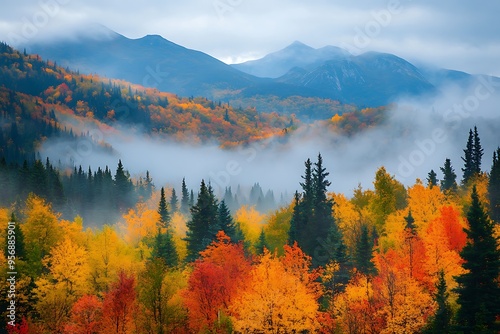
point(364, 253)
point(148, 185)
point(191, 199)
point(225, 222)
point(440, 322)
point(123, 186)
point(410, 235)
point(468, 159)
point(449, 182)
point(202, 222)
point(324, 236)
point(432, 179)
point(164, 248)
point(20, 249)
point(261, 243)
point(174, 202)
point(163, 210)
point(312, 224)
point(478, 289)
point(494, 187)
point(295, 222)
point(477, 153)
point(410, 222)
point(184, 197)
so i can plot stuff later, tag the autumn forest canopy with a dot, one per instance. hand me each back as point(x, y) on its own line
point(98, 250)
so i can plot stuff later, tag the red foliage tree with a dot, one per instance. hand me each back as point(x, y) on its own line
point(119, 305)
point(86, 316)
point(215, 280)
point(21, 328)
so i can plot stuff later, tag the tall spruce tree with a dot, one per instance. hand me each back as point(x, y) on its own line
point(432, 179)
point(440, 322)
point(174, 202)
point(163, 210)
point(364, 252)
point(494, 187)
point(202, 222)
point(225, 222)
point(295, 222)
point(449, 181)
point(261, 243)
point(184, 197)
point(468, 159)
point(477, 153)
point(478, 289)
point(123, 186)
point(312, 224)
point(20, 249)
point(323, 235)
point(164, 247)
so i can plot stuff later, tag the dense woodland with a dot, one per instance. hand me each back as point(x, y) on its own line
point(101, 252)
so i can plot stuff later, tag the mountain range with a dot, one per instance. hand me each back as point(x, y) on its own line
point(367, 80)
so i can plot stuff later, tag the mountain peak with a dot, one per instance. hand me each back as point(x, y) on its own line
point(299, 45)
point(296, 54)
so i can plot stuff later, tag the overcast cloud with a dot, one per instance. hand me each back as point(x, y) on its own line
point(460, 35)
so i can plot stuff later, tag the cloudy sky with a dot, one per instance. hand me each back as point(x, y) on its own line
point(461, 35)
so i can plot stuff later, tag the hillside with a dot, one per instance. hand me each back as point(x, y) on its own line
point(33, 90)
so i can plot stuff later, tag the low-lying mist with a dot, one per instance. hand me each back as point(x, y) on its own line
point(417, 136)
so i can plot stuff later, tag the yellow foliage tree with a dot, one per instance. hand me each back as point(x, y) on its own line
point(251, 222)
point(41, 232)
point(140, 222)
point(277, 228)
point(425, 203)
point(349, 218)
point(66, 282)
point(108, 254)
point(274, 301)
point(179, 228)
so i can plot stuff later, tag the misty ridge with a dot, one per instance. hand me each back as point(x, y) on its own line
point(417, 135)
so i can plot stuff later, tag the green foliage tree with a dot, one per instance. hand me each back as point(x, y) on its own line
point(468, 159)
point(364, 252)
point(123, 186)
point(164, 248)
point(477, 153)
point(203, 219)
point(432, 179)
point(312, 224)
point(19, 239)
point(389, 196)
point(261, 243)
point(449, 181)
point(163, 210)
point(184, 197)
point(494, 187)
point(225, 222)
point(174, 202)
point(478, 289)
point(295, 222)
point(440, 322)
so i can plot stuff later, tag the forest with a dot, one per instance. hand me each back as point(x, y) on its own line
point(97, 250)
point(395, 259)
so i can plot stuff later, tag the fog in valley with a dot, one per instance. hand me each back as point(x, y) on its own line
point(417, 136)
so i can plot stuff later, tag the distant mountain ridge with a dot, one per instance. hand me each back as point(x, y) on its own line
point(368, 80)
point(297, 54)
